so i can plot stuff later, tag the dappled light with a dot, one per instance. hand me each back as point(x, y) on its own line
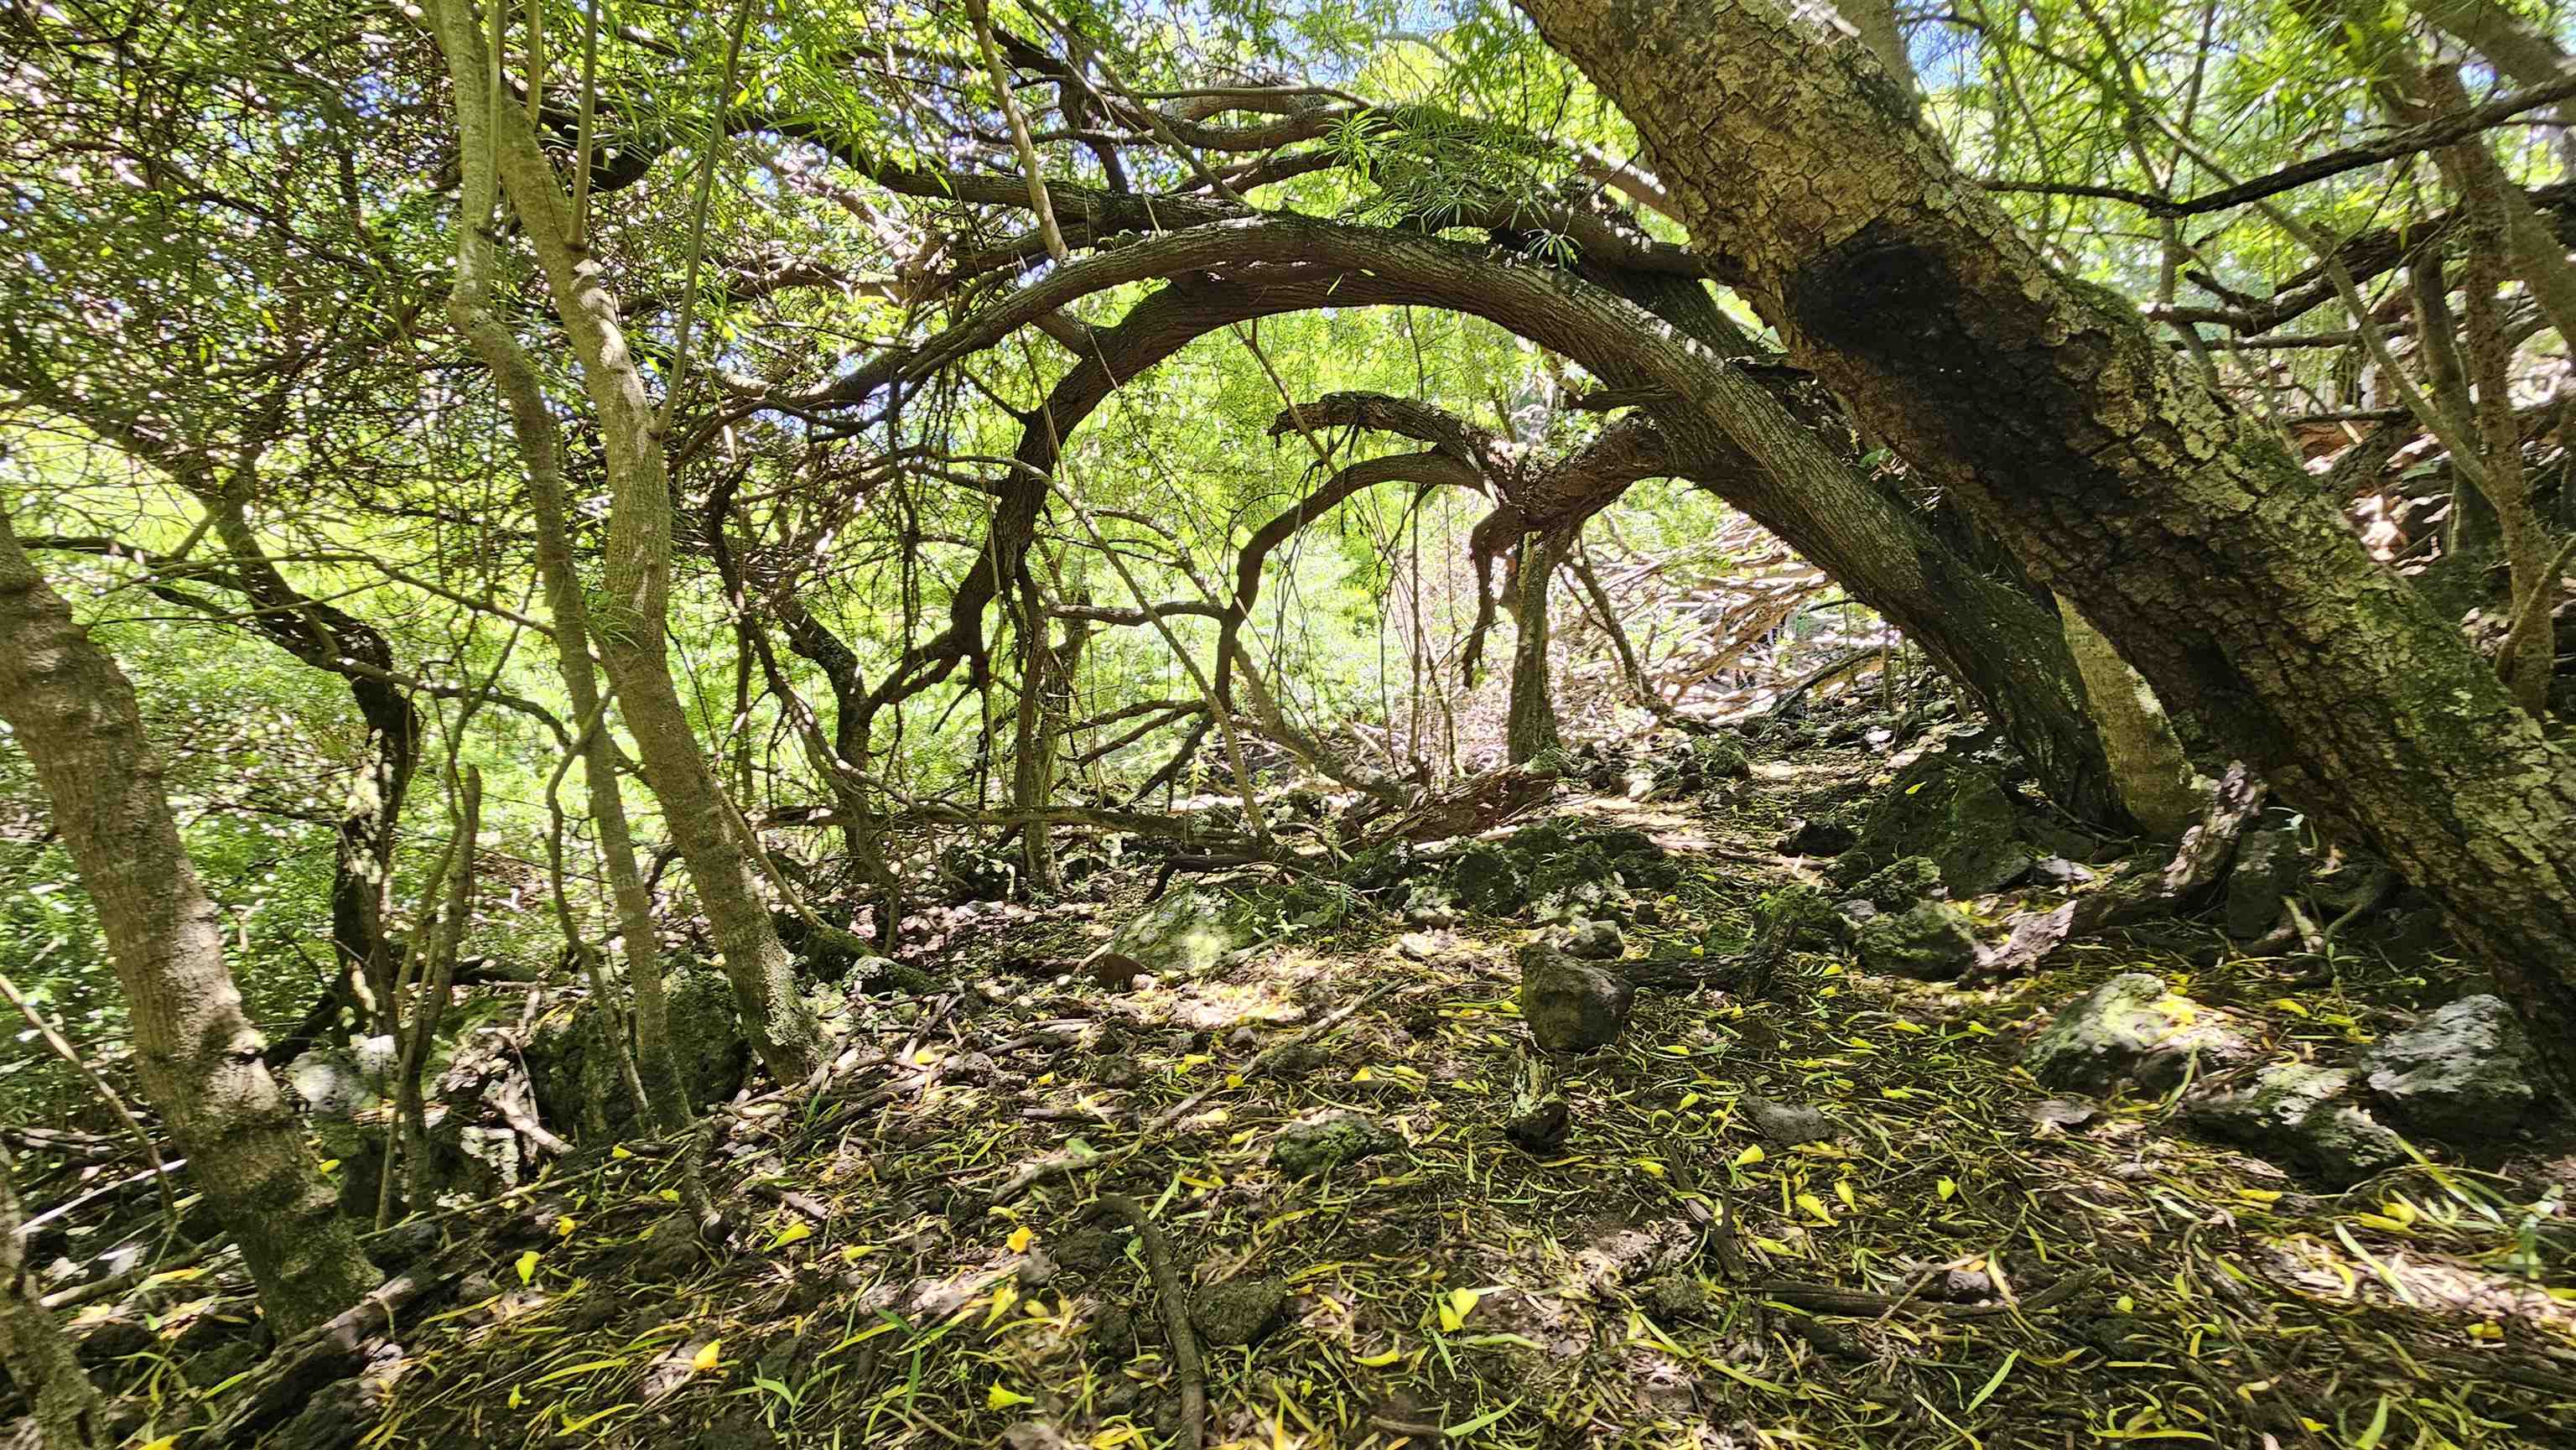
point(1521, 725)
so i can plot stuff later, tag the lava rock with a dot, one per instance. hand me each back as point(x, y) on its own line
point(1239, 1311)
point(1720, 757)
point(1541, 1131)
point(1900, 884)
point(1929, 941)
point(1320, 1145)
point(1487, 879)
point(2269, 866)
point(2130, 1029)
point(2466, 1072)
point(1786, 1125)
point(2059, 873)
point(1596, 941)
point(1819, 836)
point(1572, 1005)
point(2303, 1117)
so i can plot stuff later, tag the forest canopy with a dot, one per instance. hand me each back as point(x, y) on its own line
point(1047, 723)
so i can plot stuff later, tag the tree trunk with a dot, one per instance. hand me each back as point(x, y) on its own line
point(540, 444)
point(2181, 528)
point(2146, 758)
point(634, 609)
point(38, 1355)
point(196, 1052)
point(1531, 728)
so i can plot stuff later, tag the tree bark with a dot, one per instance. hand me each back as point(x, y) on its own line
point(39, 1356)
point(633, 612)
point(2182, 529)
point(196, 1052)
point(1530, 726)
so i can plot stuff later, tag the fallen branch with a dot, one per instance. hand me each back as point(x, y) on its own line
point(1176, 1317)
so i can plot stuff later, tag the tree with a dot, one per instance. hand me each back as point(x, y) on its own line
point(634, 609)
point(2177, 523)
point(74, 714)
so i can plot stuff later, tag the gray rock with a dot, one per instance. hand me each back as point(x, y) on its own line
point(2268, 867)
point(572, 1067)
point(1238, 1311)
point(2466, 1072)
point(1955, 812)
point(1572, 1005)
point(1487, 879)
point(1930, 941)
point(2130, 1029)
point(1319, 1145)
point(1786, 1125)
point(2058, 872)
point(1596, 941)
point(2303, 1117)
point(1185, 934)
point(1850, 916)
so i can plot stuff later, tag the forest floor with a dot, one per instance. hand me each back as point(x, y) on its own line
point(1966, 1261)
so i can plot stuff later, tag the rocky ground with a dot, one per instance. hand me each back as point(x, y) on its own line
point(1637, 1123)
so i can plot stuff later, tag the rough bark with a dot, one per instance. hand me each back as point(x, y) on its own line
point(196, 1052)
point(632, 614)
point(39, 1357)
point(1530, 726)
point(2184, 531)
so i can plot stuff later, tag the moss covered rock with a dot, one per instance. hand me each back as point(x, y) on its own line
point(1319, 1145)
point(1929, 941)
point(1486, 878)
point(1573, 1005)
point(1239, 1311)
point(2465, 1073)
point(1186, 933)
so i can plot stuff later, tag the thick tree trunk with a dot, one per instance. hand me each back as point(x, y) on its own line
point(196, 1053)
point(1530, 731)
point(634, 609)
point(2186, 534)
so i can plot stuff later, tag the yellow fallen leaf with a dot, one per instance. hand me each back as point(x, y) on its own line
point(1816, 1206)
point(164, 1443)
point(619, 1153)
point(516, 1399)
point(709, 1355)
point(794, 1233)
point(998, 1398)
point(1945, 1189)
point(1359, 1074)
point(1750, 1156)
point(1843, 1191)
point(528, 1266)
point(2289, 1006)
point(2259, 1195)
point(1234, 1079)
point(565, 1224)
point(1457, 1306)
point(1021, 1238)
point(1380, 1361)
point(1650, 1165)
